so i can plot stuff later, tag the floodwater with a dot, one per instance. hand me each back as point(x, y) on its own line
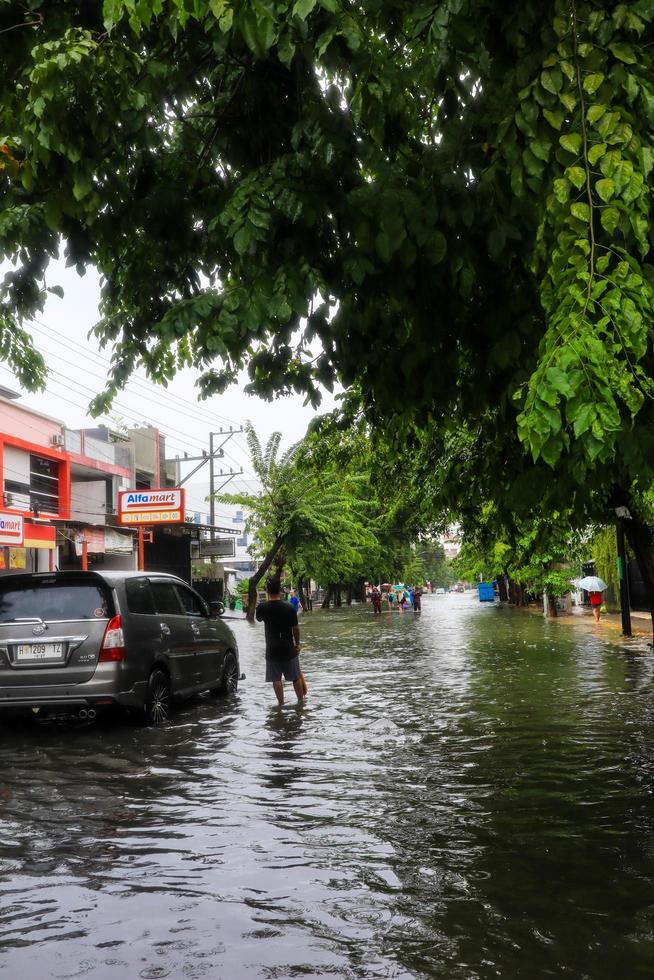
point(467, 794)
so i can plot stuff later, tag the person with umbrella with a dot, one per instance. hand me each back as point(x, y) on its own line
point(594, 586)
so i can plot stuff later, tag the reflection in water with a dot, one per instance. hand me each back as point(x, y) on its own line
point(466, 794)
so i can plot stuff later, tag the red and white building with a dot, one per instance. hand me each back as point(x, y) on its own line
point(60, 487)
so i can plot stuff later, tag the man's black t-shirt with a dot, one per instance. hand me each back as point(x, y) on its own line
point(279, 618)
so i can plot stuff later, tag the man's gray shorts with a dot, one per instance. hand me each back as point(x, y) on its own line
point(289, 668)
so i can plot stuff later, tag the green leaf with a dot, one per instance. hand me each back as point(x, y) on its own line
point(647, 160)
point(559, 380)
point(633, 189)
point(496, 241)
point(611, 162)
point(583, 418)
point(383, 246)
point(242, 240)
point(552, 80)
point(438, 248)
point(541, 149)
point(576, 176)
point(623, 52)
point(581, 211)
point(561, 188)
point(610, 218)
point(592, 82)
point(571, 142)
point(595, 112)
point(57, 291)
point(568, 100)
point(302, 8)
point(562, 26)
point(605, 188)
point(596, 152)
point(608, 125)
point(554, 117)
point(81, 187)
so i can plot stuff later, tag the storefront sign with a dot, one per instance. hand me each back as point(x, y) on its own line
point(39, 536)
point(151, 506)
point(94, 541)
point(117, 543)
point(12, 531)
point(218, 548)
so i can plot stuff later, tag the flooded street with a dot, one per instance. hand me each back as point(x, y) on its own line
point(467, 794)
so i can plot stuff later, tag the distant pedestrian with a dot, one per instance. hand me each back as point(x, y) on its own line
point(375, 597)
point(294, 600)
point(282, 642)
point(391, 598)
point(596, 600)
point(417, 600)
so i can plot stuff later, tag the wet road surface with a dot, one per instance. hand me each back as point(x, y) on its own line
point(467, 794)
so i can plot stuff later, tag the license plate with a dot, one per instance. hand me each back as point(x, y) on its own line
point(39, 651)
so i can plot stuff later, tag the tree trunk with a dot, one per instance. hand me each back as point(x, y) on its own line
point(349, 594)
point(301, 593)
point(551, 606)
point(338, 597)
point(641, 542)
point(501, 588)
point(258, 575)
point(328, 596)
point(279, 564)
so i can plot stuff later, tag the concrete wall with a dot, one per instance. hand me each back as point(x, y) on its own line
point(88, 501)
point(25, 424)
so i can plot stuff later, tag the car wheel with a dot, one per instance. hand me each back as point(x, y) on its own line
point(229, 677)
point(157, 698)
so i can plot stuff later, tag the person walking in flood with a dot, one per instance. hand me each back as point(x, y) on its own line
point(417, 599)
point(596, 600)
point(375, 597)
point(282, 642)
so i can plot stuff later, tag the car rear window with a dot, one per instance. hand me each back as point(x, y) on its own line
point(55, 601)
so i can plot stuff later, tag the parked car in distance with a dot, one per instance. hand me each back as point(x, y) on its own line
point(77, 642)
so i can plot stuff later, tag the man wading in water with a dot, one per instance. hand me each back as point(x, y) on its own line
point(282, 642)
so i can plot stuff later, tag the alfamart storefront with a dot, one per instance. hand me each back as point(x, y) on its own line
point(25, 546)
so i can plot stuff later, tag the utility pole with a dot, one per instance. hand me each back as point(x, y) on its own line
point(623, 573)
point(215, 452)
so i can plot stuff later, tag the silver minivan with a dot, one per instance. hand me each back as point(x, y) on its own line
point(78, 642)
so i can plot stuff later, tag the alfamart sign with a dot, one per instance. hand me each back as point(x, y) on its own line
point(151, 506)
point(12, 531)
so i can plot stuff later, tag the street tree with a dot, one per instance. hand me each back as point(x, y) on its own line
point(445, 204)
point(313, 521)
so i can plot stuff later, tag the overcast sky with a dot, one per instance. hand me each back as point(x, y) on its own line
point(78, 370)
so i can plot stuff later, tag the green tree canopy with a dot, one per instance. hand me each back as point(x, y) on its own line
point(444, 203)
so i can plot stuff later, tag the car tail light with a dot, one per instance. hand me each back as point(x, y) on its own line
point(113, 645)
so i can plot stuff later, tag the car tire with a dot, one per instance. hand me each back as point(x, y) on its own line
point(228, 677)
point(158, 698)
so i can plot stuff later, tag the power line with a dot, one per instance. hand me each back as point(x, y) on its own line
point(134, 416)
point(150, 386)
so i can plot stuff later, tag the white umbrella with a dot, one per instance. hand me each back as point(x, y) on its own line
point(591, 583)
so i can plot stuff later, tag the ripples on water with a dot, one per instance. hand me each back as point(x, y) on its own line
point(467, 794)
